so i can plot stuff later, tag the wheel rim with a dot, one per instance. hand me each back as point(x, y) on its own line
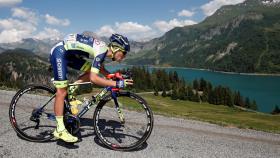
point(131, 134)
point(29, 121)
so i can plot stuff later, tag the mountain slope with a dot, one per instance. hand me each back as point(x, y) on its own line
point(237, 38)
point(19, 67)
point(1, 50)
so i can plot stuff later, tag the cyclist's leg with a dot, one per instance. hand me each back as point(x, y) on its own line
point(79, 63)
point(76, 61)
point(59, 64)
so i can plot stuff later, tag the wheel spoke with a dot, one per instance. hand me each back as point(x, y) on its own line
point(123, 136)
point(30, 98)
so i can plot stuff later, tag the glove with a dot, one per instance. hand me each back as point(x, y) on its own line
point(123, 83)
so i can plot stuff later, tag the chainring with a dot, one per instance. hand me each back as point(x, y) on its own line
point(72, 123)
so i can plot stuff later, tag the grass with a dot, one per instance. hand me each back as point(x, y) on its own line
point(217, 114)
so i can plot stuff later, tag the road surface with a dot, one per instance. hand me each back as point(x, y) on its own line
point(171, 137)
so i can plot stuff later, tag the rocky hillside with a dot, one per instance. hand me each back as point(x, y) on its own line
point(19, 67)
point(237, 38)
point(1, 50)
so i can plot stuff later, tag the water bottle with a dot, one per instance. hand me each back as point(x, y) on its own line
point(75, 109)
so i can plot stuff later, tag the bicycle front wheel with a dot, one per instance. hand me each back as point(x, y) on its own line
point(31, 113)
point(127, 134)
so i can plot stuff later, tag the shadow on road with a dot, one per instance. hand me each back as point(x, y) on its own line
point(89, 122)
point(87, 130)
point(67, 145)
point(142, 147)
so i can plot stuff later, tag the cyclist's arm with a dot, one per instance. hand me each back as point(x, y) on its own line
point(96, 68)
point(95, 78)
point(101, 81)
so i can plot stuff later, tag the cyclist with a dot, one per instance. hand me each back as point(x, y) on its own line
point(73, 52)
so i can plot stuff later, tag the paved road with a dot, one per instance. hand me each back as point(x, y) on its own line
point(171, 137)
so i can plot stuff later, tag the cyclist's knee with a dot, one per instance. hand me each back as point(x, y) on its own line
point(61, 92)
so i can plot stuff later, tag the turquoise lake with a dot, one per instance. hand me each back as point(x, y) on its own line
point(263, 89)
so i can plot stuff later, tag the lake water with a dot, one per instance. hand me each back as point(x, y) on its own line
point(265, 90)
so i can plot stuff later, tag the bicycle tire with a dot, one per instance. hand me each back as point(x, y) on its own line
point(134, 104)
point(34, 95)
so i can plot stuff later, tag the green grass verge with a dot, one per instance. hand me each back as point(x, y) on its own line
point(217, 114)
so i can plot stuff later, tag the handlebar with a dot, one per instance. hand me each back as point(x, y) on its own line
point(119, 76)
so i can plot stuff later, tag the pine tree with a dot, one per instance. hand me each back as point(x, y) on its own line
point(219, 95)
point(203, 84)
point(195, 84)
point(174, 93)
point(189, 93)
point(196, 98)
point(164, 93)
point(238, 99)
point(156, 91)
point(254, 105)
point(181, 93)
point(211, 97)
point(175, 76)
point(276, 110)
point(209, 87)
point(247, 102)
point(229, 99)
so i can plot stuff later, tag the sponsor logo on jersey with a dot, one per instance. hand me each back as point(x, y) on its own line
point(83, 40)
point(61, 50)
point(97, 42)
point(59, 67)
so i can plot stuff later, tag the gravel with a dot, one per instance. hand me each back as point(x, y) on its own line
point(171, 137)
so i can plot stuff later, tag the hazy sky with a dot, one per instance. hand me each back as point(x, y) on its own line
point(139, 20)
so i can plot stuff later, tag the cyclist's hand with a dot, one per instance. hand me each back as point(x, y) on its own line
point(124, 83)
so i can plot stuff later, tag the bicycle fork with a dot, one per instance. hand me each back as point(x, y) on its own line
point(119, 110)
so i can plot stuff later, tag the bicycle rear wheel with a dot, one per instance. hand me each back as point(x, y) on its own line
point(131, 133)
point(31, 113)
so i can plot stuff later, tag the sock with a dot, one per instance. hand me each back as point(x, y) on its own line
point(60, 124)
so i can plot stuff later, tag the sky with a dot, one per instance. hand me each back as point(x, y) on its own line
point(138, 20)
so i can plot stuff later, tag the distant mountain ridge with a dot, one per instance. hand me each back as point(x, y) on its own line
point(43, 47)
point(39, 47)
point(236, 38)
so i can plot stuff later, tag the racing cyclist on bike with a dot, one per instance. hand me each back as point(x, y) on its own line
point(72, 52)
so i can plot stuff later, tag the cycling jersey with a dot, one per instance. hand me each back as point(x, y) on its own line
point(72, 52)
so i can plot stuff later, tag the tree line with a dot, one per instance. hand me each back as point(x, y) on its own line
point(169, 84)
